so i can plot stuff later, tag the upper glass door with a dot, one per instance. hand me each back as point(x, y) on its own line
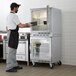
point(40, 16)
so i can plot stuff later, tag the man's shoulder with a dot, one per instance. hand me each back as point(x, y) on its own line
point(12, 14)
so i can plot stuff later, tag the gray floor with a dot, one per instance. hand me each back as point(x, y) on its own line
point(40, 70)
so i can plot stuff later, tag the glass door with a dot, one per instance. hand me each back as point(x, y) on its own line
point(41, 49)
point(40, 16)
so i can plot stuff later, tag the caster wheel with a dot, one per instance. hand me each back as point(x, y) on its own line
point(33, 64)
point(51, 66)
point(59, 63)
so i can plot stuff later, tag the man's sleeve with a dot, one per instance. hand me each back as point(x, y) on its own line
point(16, 20)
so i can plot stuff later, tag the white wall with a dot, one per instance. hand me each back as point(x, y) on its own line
point(68, 8)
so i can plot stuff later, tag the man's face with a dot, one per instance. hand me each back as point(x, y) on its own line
point(16, 9)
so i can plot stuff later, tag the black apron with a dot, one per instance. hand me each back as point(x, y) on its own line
point(13, 38)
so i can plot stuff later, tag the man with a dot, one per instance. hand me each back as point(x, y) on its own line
point(13, 24)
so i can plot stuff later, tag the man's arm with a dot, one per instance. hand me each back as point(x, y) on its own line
point(24, 25)
point(6, 29)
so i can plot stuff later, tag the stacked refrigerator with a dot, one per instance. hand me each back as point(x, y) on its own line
point(45, 38)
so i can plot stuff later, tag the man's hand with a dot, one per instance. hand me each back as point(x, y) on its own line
point(24, 25)
point(29, 24)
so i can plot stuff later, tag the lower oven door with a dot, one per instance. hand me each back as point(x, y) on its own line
point(40, 48)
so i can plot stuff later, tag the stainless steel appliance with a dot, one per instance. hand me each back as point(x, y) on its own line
point(22, 51)
point(45, 39)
